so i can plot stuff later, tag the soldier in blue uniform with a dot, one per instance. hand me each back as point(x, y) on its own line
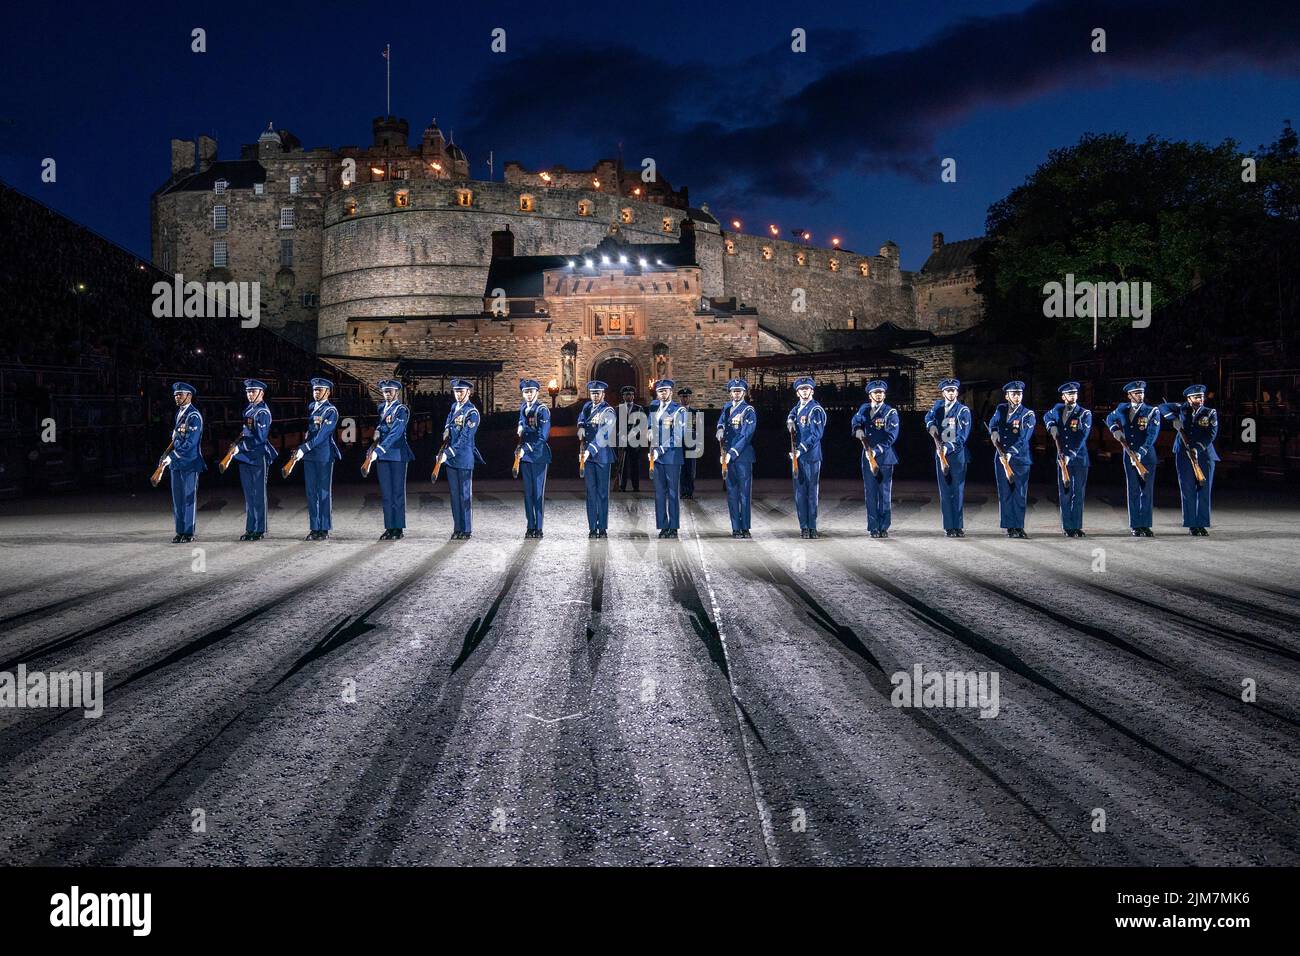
point(534, 430)
point(876, 425)
point(736, 427)
point(318, 454)
point(596, 422)
point(390, 456)
point(806, 424)
point(1011, 427)
point(1070, 424)
point(688, 463)
point(459, 456)
point(185, 461)
point(667, 441)
point(255, 456)
point(1197, 427)
point(1135, 425)
point(949, 422)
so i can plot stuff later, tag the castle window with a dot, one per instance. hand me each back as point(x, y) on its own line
point(731, 247)
point(835, 265)
point(219, 217)
point(219, 186)
point(625, 215)
point(584, 207)
point(527, 203)
point(295, 185)
point(402, 199)
point(287, 217)
point(801, 258)
point(767, 252)
point(667, 224)
point(286, 252)
point(464, 197)
point(864, 268)
point(350, 207)
point(401, 172)
point(259, 189)
point(310, 300)
point(219, 254)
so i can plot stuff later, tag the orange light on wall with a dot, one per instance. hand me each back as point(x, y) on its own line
point(773, 230)
point(637, 191)
point(735, 224)
point(595, 183)
point(835, 242)
point(437, 166)
point(546, 177)
point(376, 170)
point(807, 236)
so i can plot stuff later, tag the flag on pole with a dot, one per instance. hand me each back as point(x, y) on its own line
point(385, 51)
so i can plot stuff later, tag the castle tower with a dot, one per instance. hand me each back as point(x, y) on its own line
point(390, 131)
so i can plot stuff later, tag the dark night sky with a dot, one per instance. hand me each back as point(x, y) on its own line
point(844, 140)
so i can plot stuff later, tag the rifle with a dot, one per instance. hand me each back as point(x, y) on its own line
point(724, 458)
point(287, 470)
point(514, 466)
point(437, 459)
point(369, 460)
point(1003, 457)
point(156, 477)
point(1197, 473)
point(794, 456)
point(228, 457)
point(1060, 460)
point(1134, 459)
point(871, 457)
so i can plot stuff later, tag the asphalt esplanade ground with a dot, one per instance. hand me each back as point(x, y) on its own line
point(703, 701)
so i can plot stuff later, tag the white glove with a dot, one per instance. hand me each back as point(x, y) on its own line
point(731, 453)
point(789, 424)
point(582, 433)
point(859, 434)
point(719, 434)
point(446, 433)
point(520, 431)
point(442, 459)
point(790, 455)
point(165, 461)
point(298, 454)
point(586, 454)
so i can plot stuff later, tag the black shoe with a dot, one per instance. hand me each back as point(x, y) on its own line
point(258, 535)
point(1017, 533)
point(591, 534)
point(812, 533)
point(961, 532)
point(1137, 533)
point(672, 532)
point(187, 538)
point(455, 536)
point(874, 534)
point(602, 533)
point(537, 533)
point(803, 532)
point(324, 535)
point(1193, 532)
point(661, 533)
point(884, 533)
point(747, 534)
point(735, 533)
point(247, 536)
point(528, 534)
point(1011, 532)
point(387, 535)
point(1147, 532)
point(1078, 533)
point(398, 533)
point(950, 532)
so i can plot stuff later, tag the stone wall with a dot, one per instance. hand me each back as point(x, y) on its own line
point(948, 303)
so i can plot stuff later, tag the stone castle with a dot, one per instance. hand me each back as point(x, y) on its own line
point(393, 251)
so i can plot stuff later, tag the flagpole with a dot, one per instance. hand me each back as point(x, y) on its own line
point(388, 80)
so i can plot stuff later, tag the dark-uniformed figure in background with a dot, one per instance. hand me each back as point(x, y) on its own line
point(255, 456)
point(318, 454)
point(534, 430)
point(596, 425)
point(736, 427)
point(949, 422)
point(667, 441)
point(185, 461)
point(1070, 424)
point(807, 423)
point(459, 431)
point(629, 454)
point(1011, 427)
point(1135, 425)
point(877, 424)
point(392, 455)
point(1197, 427)
point(688, 463)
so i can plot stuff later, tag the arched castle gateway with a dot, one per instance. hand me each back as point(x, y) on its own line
point(409, 244)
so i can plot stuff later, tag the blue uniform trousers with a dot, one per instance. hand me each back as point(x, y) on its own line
point(668, 482)
point(1141, 491)
point(805, 494)
point(878, 493)
point(392, 486)
point(688, 477)
point(461, 482)
point(740, 486)
point(185, 493)
point(597, 478)
point(1196, 501)
point(533, 476)
point(1071, 498)
point(1013, 495)
point(952, 492)
point(319, 478)
point(253, 478)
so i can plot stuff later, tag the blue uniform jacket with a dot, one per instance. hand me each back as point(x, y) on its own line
point(954, 428)
point(668, 432)
point(1073, 428)
point(461, 427)
point(809, 426)
point(1141, 432)
point(1200, 427)
point(736, 427)
point(319, 445)
point(596, 425)
point(880, 428)
point(187, 436)
point(390, 433)
point(535, 420)
point(255, 439)
point(1014, 430)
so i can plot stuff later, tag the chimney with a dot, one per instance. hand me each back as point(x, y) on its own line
point(503, 243)
point(936, 242)
point(207, 152)
point(182, 157)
